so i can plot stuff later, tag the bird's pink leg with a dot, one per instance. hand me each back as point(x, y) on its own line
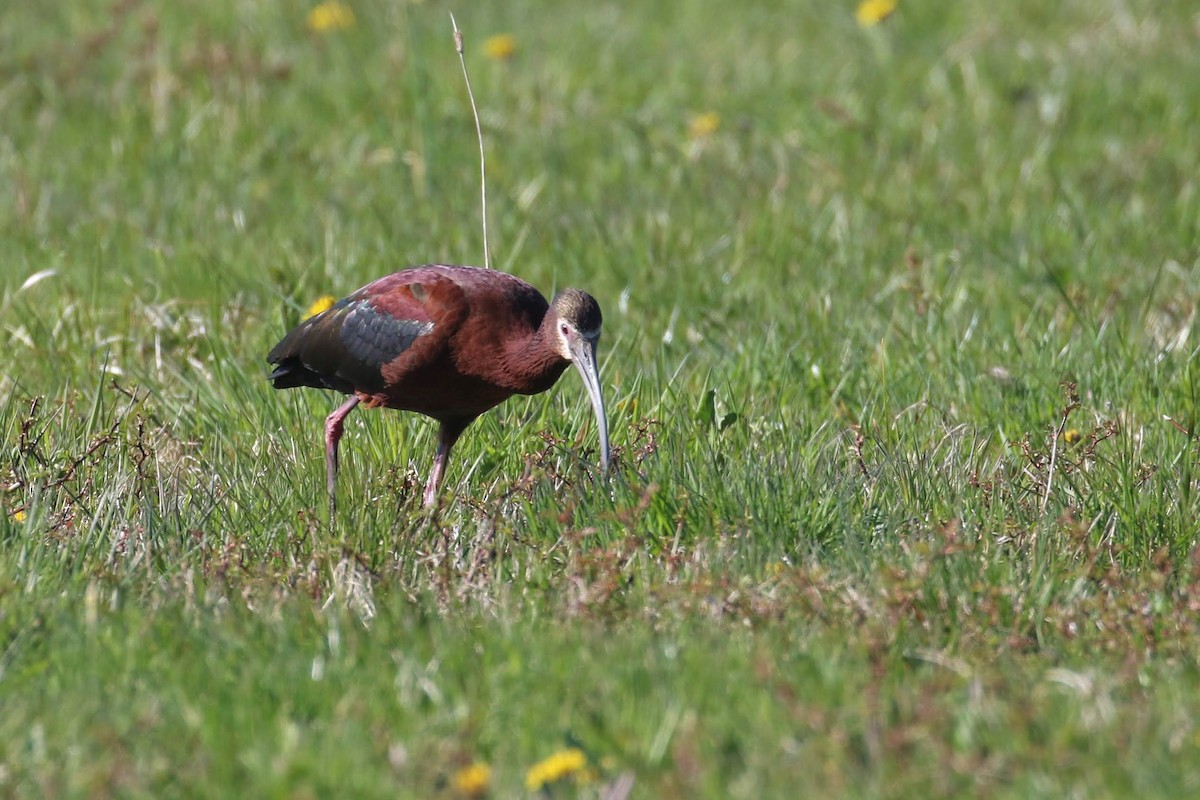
point(448, 434)
point(333, 434)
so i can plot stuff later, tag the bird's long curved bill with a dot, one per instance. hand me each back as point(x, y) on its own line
point(584, 358)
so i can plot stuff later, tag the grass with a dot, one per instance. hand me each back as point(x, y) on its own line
point(899, 361)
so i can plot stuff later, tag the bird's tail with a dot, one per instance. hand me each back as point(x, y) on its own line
point(291, 373)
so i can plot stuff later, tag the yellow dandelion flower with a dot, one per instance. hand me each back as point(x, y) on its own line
point(329, 16)
point(1072, 436)
point(555, 768)
point(320, 305)
point(873, 12)
point(18, 515)
point(500, 47)
point(473, 781)
point(705, 124)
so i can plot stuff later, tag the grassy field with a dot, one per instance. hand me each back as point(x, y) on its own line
point(901, 376)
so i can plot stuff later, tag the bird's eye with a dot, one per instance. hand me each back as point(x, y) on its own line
point(564, 329)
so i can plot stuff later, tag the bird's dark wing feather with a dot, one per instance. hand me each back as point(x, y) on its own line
point(371, 338)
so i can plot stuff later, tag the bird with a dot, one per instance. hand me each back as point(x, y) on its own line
point(448, 342)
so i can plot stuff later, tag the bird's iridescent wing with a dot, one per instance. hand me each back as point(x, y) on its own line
point(371, 338)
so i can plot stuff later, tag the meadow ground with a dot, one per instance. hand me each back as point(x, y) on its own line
point(899, 357)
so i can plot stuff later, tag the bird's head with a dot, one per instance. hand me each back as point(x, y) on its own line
point(577, 321)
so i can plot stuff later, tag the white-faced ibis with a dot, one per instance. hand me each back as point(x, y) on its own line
point(446, 342)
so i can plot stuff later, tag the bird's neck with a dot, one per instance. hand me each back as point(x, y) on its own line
point(535, 362)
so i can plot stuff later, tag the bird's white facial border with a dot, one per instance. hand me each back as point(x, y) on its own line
point(567, 332)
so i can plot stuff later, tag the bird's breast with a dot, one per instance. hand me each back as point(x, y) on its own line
point(441, 394)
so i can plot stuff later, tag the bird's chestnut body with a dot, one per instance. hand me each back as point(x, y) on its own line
point(444, 341)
